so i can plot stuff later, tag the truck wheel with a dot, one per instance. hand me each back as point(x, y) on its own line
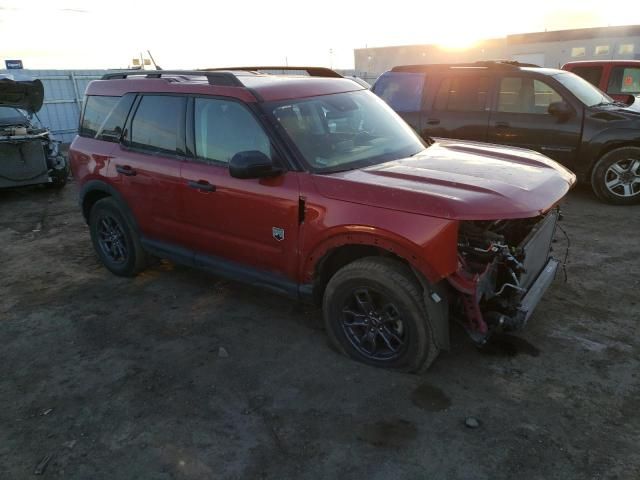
point(374, 313)
point(114, 239)
point(616, 177)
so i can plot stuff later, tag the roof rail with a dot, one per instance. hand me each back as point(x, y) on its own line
point(311, 71)
point(479, 64)
point(219, 78)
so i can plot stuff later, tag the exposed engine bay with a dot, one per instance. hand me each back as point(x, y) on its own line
point(504, 268)
point(28, 154)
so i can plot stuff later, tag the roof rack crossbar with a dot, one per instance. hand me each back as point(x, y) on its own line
point(311, 71)
point(219, 78)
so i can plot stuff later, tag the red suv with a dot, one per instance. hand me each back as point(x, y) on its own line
point(618, 78)
point(313, 187)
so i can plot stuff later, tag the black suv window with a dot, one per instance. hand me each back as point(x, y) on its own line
point(590, 74)
point(224, 128)
point(624, 80)
point(463, 94)
point(525, 95)
point(402, 91)
point(157, 123)
point(96, 110)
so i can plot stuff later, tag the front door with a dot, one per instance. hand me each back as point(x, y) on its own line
point(520, 118)
point(253, 222)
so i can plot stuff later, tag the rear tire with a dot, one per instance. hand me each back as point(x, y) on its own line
point(615, 179)
point(374, 313)
point(115, 240)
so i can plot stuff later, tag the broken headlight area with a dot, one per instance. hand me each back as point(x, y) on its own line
point(504, 268)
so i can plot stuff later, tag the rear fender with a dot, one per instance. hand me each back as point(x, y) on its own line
point(93, 187)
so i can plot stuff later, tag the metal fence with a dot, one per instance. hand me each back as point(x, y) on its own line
point(63, 94)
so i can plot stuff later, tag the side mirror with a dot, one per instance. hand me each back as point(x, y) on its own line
point(560, 109)
point(629, 100)
point(252, 164)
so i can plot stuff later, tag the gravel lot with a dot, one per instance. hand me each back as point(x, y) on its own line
point(125, 378)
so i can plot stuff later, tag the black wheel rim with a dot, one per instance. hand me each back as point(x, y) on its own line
point(374, 326)
point(112, 241)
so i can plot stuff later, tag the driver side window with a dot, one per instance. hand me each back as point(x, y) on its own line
point(224, 128)
point(525, 95)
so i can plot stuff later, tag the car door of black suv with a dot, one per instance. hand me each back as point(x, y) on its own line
point(520, 117)
point(459, 105)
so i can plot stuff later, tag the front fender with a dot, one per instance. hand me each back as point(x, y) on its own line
point(430, 247)
point(604, 141)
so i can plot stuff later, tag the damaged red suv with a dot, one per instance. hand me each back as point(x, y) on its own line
point(313, 187)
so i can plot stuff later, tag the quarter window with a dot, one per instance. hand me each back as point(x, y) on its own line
point(525, 95)
point(157, 123)
point(224, 128)
point(96, 110)
point(402, 91)
point(462, 94)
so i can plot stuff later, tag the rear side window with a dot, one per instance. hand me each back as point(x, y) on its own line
point(224, 128)
point(624, 80)
point(158, 123)
point(590, 74)
point(96, 111)
point(402, 91)
point(462, 94)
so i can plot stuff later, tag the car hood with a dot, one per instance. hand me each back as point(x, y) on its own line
point(27, 95)
point(457, 180)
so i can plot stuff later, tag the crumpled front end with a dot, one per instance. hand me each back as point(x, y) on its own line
point(504, 269)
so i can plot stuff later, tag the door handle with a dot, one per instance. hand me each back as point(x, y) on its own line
point(433, 121)
point(201, 185)
point(126, 170)
point(502, 125)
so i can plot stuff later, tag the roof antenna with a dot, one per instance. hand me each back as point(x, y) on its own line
point(153, 61)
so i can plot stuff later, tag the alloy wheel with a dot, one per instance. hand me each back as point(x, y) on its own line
point(623, 178)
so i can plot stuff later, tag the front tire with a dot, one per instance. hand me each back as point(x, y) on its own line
point(374, 313)
point(115, 240)
point(616, 177)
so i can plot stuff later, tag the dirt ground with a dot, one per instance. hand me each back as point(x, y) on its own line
point(124, 379)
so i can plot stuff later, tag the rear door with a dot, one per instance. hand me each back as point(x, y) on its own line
point(520, 118)
point(146, 164)
point(253, 222)
point(460, 106)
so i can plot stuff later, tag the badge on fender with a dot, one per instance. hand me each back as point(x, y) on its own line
point(278, 233)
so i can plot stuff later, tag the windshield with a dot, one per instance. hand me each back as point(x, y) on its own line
point(344, 131)
point(586, 93)
point(12, 116)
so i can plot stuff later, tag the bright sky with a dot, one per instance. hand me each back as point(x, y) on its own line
point(194, 34)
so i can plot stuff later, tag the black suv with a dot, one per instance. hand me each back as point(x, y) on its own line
point(552, 111)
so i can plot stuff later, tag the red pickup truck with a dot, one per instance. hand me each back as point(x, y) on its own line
point(618, 78)
point(313, 187)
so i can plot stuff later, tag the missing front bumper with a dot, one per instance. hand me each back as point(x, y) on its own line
point(537, 290)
